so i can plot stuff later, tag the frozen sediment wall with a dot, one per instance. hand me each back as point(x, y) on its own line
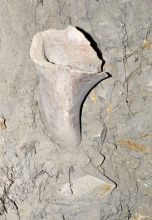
point(116, 116)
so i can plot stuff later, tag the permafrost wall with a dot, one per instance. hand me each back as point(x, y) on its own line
point(35, 172)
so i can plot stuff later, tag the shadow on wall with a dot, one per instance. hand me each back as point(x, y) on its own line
point(99, 54)
point(94, 46)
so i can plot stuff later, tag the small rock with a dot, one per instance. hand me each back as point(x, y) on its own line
point(146, 44)
point(2, 123)
point(109, 107)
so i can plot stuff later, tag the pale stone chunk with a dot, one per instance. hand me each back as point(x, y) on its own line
point(87, 187)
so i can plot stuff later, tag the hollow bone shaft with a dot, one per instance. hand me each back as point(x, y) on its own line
point(68, 68)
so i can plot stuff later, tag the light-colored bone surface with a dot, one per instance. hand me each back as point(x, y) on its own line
point(68, 68)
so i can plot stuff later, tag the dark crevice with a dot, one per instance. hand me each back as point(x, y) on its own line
point(3, 208)
point(103, 134)
point(6, 192)
point(71, 169)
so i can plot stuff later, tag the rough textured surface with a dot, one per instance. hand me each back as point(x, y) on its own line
point(32, 166)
